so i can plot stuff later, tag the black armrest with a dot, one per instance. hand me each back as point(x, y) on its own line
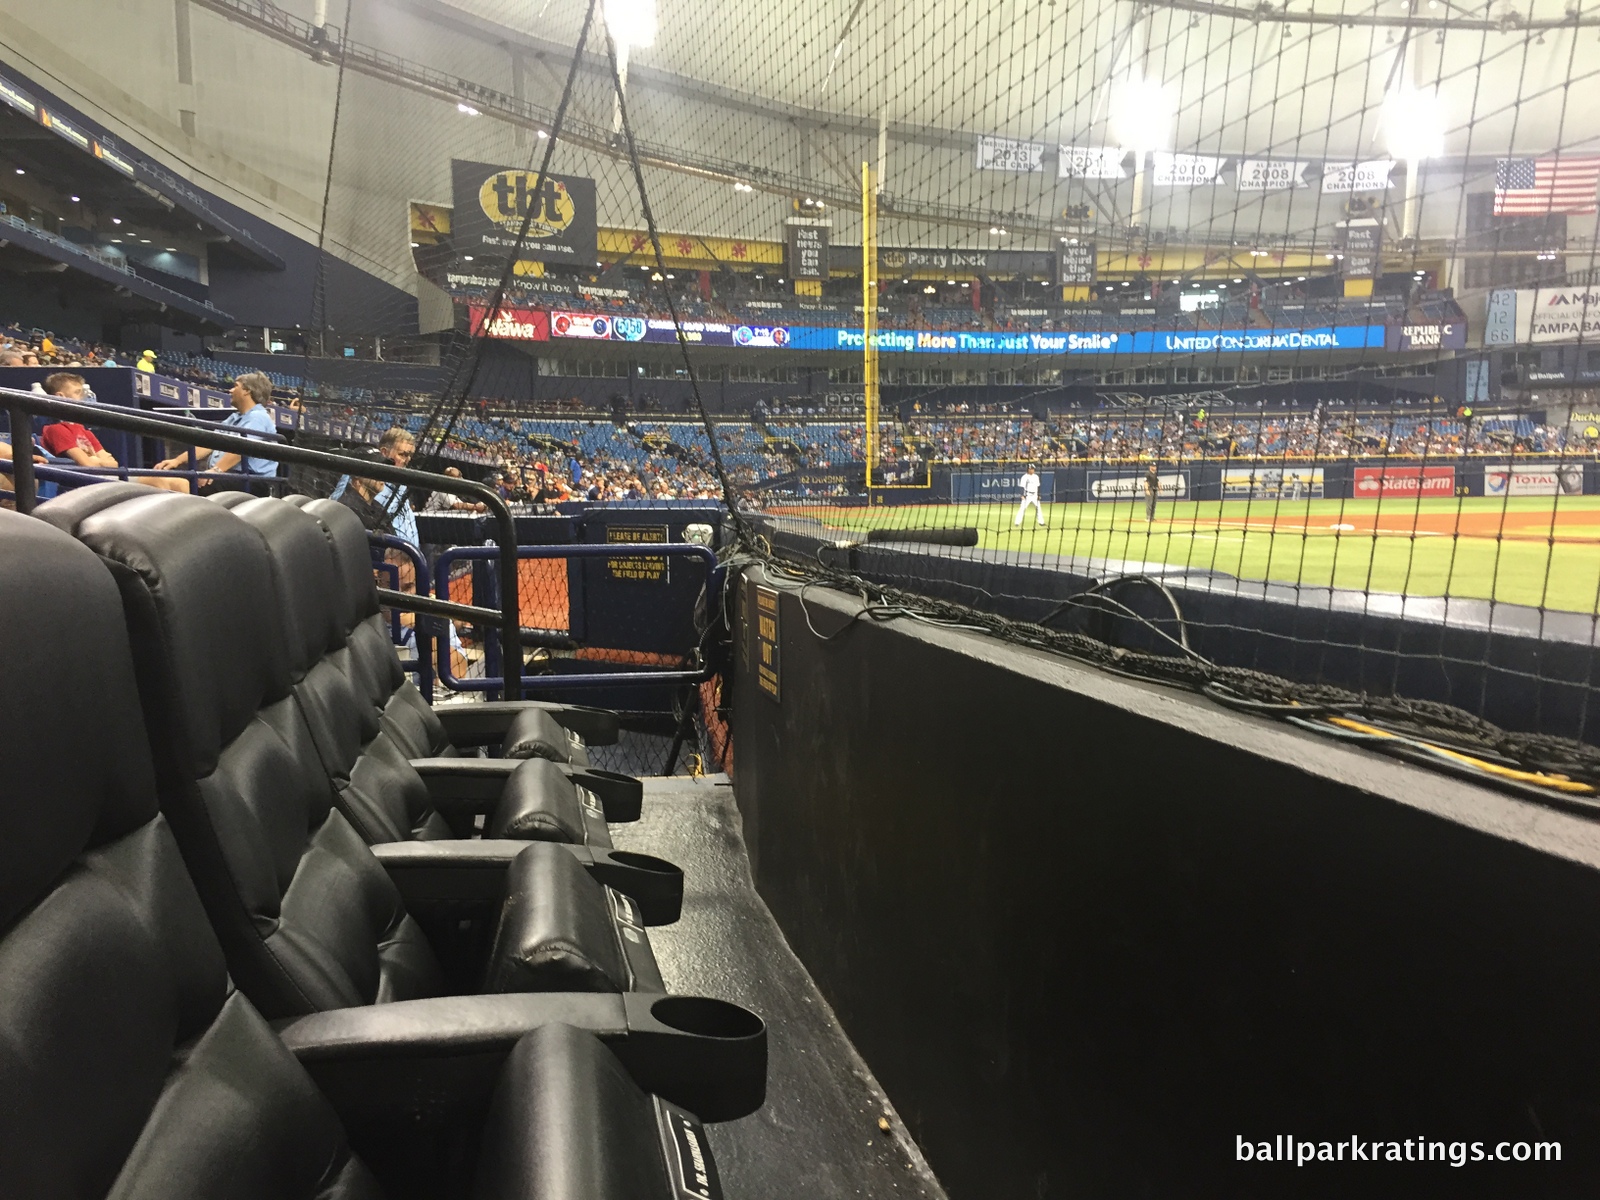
point(486, 724)
point(473, 872)
point(427, 1058)
point(477, 783)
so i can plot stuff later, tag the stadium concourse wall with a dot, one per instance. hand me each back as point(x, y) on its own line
point(1089, 933)
point(1522, 668)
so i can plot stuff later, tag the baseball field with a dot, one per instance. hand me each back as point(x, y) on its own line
point(1530, 550)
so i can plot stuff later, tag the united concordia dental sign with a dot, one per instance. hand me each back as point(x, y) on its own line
point(1340, 337)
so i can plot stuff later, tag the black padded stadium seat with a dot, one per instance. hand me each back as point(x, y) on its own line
point(522, 729)
point(129, 1064)
point(379, 791)
point(308, 915)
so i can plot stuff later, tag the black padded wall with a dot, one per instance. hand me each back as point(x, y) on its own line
point(1088, 933)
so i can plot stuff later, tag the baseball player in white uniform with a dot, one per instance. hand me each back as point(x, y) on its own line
point(1030, 495)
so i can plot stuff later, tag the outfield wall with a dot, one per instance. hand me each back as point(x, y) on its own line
point(1265, 479)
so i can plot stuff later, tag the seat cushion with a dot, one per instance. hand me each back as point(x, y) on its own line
point(560, 1087)
point(539, 804)
point(556, 932)
point(534, 733)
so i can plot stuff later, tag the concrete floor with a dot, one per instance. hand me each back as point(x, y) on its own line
point(818, 1136)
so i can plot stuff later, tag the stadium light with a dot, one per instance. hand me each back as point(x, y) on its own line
point(543, 134)
point(75, 200)
point(631, 22)
point(468, 109)
point(20, 171)
point(1142, 112)
point(1413, 124)
point(116, 220)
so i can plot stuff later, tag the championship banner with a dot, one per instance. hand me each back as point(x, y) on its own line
point(517, 324)
point(1089, 162)
point(1185, 170)
point(1270, 175)
point(491, 204)
point(1370, 176)
point(1003, 154)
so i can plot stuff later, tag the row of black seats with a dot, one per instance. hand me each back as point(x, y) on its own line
point(217, 777)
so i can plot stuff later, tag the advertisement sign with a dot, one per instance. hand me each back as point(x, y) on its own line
point(808, 251)
point(905, 341)
point(1273, 483)
point(518, 324)
point(1370, 176)
point(579, 325)
point(1555, 479)
point(1185, 170)
point(1089, 162)
point(1003, 154)
point(1170, 485)
point(1379, 482)
point(492, 202)
point(1270, 175)
point(1450, 335)
point(1075, 263)
point(1004, 485)
point(891, 259)
point(1561, 314)
point(1362, 243)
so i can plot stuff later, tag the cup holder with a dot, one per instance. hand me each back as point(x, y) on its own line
point(644, 862)
point(701, 1016)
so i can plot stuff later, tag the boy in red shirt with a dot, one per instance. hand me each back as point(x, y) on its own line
point(68, 439)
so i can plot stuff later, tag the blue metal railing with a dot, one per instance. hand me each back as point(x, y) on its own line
point(494, 678)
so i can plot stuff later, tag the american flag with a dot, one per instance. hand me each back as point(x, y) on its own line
point(1545, 185)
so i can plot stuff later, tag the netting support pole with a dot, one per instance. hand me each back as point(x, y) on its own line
point(869, 314)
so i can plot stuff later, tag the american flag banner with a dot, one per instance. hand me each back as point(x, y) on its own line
point(1524, 186)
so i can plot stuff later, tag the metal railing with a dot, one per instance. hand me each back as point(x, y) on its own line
point(22, 407)
point(494, 665)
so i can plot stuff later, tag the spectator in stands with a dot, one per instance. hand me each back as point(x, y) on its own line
point(12, 358)
point(70, 440)
point(147, 362)
point(361, 496)
point(251, 396)
point(8, 494)
point(446, 502)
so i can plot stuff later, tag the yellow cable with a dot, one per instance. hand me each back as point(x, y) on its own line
point(1560, 783)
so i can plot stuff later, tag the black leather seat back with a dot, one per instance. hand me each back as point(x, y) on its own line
point(307, 917)
point(379, 791)
point(128, 1064)
point(408, 718)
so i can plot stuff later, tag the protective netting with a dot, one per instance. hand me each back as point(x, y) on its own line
point(1287, 308)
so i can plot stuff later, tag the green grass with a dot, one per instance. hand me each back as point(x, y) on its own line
point(1526, 550)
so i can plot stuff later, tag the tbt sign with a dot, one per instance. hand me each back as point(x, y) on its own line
point(491, 204)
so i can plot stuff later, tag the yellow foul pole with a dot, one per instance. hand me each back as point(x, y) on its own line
point(869, 310)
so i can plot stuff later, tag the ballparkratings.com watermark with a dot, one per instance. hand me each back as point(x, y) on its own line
point(1286, 1148)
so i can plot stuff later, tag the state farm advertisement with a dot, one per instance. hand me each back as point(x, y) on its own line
point(1375, 482)
point(518, 324)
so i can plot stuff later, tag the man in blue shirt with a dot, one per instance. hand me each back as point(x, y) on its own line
point(251, 396)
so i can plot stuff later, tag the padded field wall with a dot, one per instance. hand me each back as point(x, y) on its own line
point(1088, 932)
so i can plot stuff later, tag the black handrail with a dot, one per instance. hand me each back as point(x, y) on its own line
point(24, 406)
